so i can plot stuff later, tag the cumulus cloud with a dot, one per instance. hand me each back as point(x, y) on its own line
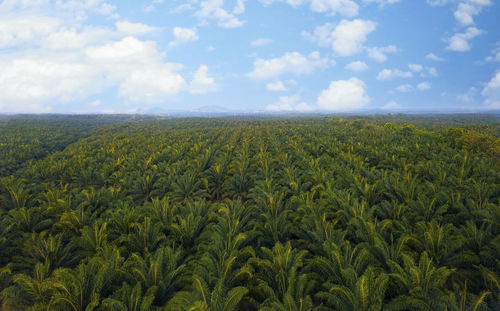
point(434, 57)
point(357, 66)
point(416, 67)
point(460, 41)
point(214, 10)
point(438, 2)
point(290, 63)
point(138, 68)
point(202, 83)
point(466, 10)
point(293, 3)
point(381, 3)
point(391, 106)
point(15, 31)
point(404, 88)
point(261, 42)
point(378, 53)
point(388, 74)
point(424, 86)
point(347, 8)
point(183, 35)
point(71, 39)
point(290, 104)
point(345, 38)
point(491, 92)
point(344, 96)
point(134, 29)
point(431, 71)
point(28, 83)
point(495, 56)
point(468, 96)
point(276, 86)
point(151, 84)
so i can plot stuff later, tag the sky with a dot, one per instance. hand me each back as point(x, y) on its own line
point(335, 56)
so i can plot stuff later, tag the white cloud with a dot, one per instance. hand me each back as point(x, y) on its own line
point(434, 57)
point(387, 74)
point(95, 103)
point(431, 71)
point(378, 53)
point(138, 68)
point(202, 83)
point(290, 63)
point(27, 84)
point(70, 39)
point(466, 10)
point(438, 2)
point(424, 86)
point(382, 3)
point(356, 66)
point(469, 96)
point(83, 7)
point(346, 38)
point(126, 50)
point(79, 10)
point(213, 10)
point(183, 35)
point(133, 29)
point(261, 42)
point(290, 104)
point(495, 57)
point(416, 67)
point(405, 88)
point(182, 8)
point(491, 92)
point(347, 8)
point(151, 84)
point(392, 106)
point(293, 3)
point(276, 86)
point(344, 96)
point(25, 30)
point(459, 41)
point(30, 81)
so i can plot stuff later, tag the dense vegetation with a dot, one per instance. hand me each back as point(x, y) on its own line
point(217, 214)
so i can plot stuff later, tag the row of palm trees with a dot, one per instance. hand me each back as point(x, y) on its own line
point(304, 214)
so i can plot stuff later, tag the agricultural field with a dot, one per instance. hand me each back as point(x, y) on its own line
point(312, 213)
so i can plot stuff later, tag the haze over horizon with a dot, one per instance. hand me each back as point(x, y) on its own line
point(157, 56)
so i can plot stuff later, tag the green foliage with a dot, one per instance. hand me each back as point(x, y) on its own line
point(373, 213)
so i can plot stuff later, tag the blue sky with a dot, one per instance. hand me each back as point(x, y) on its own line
point(69, 56)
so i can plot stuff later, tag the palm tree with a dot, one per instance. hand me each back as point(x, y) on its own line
point(30, 291)
point(273, 224)
point(29, 219)
point(461, 300)
point(146, 236)
point(129, 298)
point(280, 277)
point(440, 243)
point(46, 248)
point(422, 285)
point(18, 195)
point(93, 239)
point(189, 224)
point(187, 187)
point(145, 187)
point(79, 289)
point(363, 293)
point(217, 176)
point(158, 273)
